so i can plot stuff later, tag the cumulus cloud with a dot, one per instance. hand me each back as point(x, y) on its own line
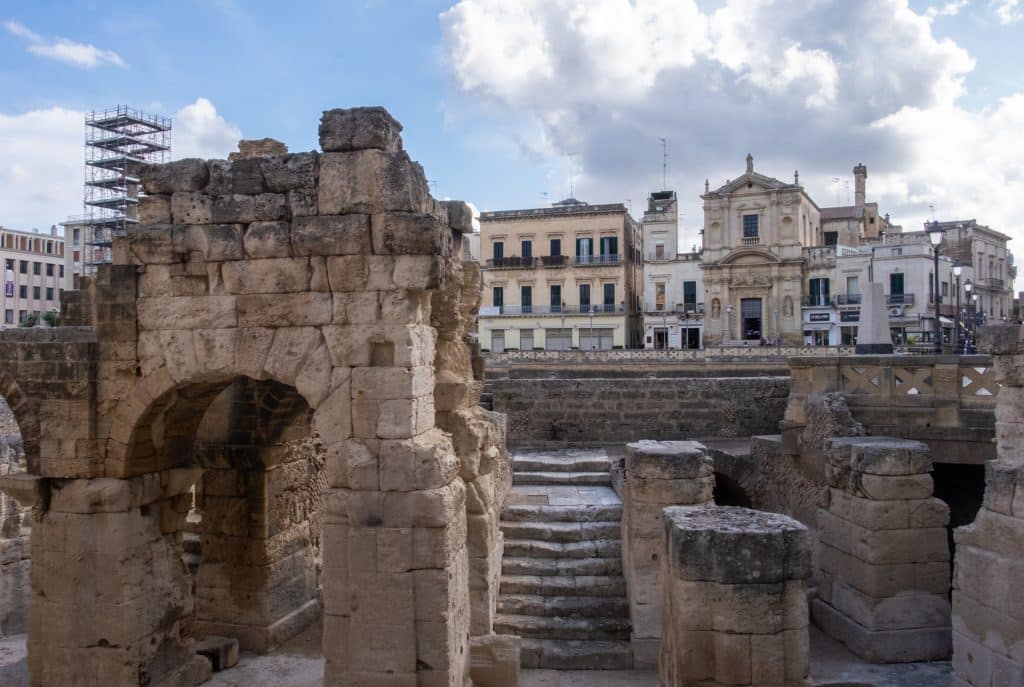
point(818, 86)
point(64, 50)
point(42, 159)
point(1008, 11)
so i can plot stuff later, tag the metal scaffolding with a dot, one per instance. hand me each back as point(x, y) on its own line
point(118, 143)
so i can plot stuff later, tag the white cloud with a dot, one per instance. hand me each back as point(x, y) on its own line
point(63, 49)
point(1008, 11)
point(200, 131)
point(949, 9)
point(42, 159)
point(818, 86)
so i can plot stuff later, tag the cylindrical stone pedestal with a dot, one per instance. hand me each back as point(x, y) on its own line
point(735, 609)
point(658, 474)
point(884, 552)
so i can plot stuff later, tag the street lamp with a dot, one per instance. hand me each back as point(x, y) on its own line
point(974, 309)
point(935, 235)
point(967, 289)
point(957, 270)
point(728, 319)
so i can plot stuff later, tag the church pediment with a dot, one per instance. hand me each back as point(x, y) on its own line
point(750, 256)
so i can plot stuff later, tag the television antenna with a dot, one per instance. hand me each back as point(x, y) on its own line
point(664, 163)
point(835, 180)
point(572, 189)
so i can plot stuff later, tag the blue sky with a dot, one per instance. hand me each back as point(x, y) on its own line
point(495, 94)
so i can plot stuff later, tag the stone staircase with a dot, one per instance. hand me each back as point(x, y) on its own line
point(562, 589)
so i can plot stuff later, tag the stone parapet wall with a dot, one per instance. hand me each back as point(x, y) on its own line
point(656, 474)
point(15, 520)
point(735, 599)
point(605, 410)
point(884, 589)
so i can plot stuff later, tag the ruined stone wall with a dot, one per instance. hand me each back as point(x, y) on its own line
point(632, 409)
point(15, 521)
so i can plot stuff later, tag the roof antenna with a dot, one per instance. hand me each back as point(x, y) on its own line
point(931, 208)
point(571, 179)
point(664, 163)
point(835, 180)
point(544, 195)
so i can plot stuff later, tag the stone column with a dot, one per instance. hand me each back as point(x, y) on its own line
point(884, 552)
point(988, 604)
point(735, 601)
point(658, 474)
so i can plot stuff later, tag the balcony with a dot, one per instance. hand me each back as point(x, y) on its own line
point(819, 301)
point(990, 282)
point(899, 299)
point(511, 263)
point(558, 310)
point(554, 261)
point(848, 299)
point(688, 309)
point(597, 260)
point(751, 240)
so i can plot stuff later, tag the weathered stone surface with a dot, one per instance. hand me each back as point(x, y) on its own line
point(371, 181)
point(359, 128)
point(331, 235)
point(268, 240)
point(460, 216)
point(242, 176)
point(190, 174)
point(403, 233)
point(256, 148)
point(291, 172)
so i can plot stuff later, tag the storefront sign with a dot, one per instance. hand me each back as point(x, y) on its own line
point(819, 317)
point(849, 316)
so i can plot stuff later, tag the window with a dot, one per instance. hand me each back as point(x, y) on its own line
point(75, 236)
point(37, 268)
point(609, 297)
point(818, 290)
point(49, 247)
point(749, 226)
point(945, 289)
point(36, 292)
point(498, 341)
point(49, 293)
point(584, 297)
point(8, 317)
point(498, 296)
point(896, 286)
point(831, 238)
point(690, 295)
point(22, 291)
point(22, 315)
point(557, 339)
point(584, 248)
point(556, 247)
point(852, 286)
point(498, 249)
point(609, 245)
point(659, 296)
point(23, 267)
point(556, 297)
point(526, 298)
point(49, 269)
point(526, 339)
point(61, 271)
point(526, 247)
point(659, 251)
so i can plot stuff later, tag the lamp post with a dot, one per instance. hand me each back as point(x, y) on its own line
point(967, 290)
point(974, 310)
point(957, 270)
point(728, 319)
point(935, 235)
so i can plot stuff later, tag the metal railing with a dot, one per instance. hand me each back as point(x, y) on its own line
point(511, 263)
point(651, 308)
point(899, 299)
point(848, 299)
point(587, 260)
point(554, 260)
point(513, 310)
point(751, 240)
point(815, 301)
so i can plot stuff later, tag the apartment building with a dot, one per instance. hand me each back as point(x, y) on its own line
point(564, 277)
point(36, 268)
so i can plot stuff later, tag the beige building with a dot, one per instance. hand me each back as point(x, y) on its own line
point(560, 278)
point(755, 229)
point(36, 267)
point(850, 225)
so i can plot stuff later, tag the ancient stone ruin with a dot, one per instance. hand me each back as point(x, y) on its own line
point(272, 381)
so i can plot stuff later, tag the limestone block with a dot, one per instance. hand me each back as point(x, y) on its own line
point(201, 312)
point(424, 508)
point(190, 174)
point(1004, 480)
point(895, 487)
point(370, 181)
point(289, 351)
point(289, 172)
point(236, 208)
point(427, 461)
point(271, 207)
point(259, 148)
point(384, 383)
point(338, 234)
point(302, 202)
point(333, 418)
point(221, 651)
point(460, 216)
point(404, 233)
point(347, 272)
point(361, 308)
point(242, 176)
point(215, 242)
point(152, 243)
point(349, 346)
point(668, 460)
point(494, 660)
point(359, 128)
point(352, 464)
point(284, 309)
point(271, 275)
point(191, 207)
point(879, 456)
point(155, 209)
point(419, 272)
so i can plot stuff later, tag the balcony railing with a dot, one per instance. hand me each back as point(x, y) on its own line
point(554, 260)
point(511, 263)
point(751, 240)
point(589, 260)
point(899, 299)
point(514, 310)
point(677, 309)
point(848, 299)
point(815, 301)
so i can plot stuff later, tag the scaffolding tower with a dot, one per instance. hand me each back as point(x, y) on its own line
point(118, 143)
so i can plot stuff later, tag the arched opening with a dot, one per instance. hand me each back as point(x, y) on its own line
point(247, 523)
point(962, 488)
point(729, 492)
point(15, 529)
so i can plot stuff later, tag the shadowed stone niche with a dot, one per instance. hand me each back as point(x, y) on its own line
point(276, 365)
point(735, 599)
point(884, 552)
point(658, 474)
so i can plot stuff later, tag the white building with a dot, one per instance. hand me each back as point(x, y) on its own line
point(36, 267)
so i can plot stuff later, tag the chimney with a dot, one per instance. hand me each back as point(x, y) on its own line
point(860, 175)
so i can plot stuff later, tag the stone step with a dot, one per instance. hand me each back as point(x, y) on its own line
point(549, 627)
point(562, 531)
point(590, 479)
point(527, 548)
point(564, 585)
point(529, 513)
point(561, 566)
point(533, 462)
point(553, 654)
point(564, 606)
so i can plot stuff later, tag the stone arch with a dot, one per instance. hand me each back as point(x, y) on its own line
point(25, 415)
point(741, 253)
point(15, 526)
